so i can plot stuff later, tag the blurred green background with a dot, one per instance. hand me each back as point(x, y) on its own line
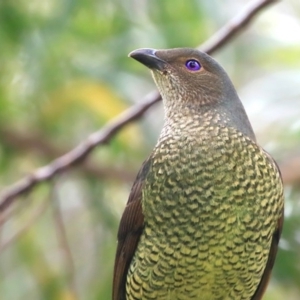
point(64, 73)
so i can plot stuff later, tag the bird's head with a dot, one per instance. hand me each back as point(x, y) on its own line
point(190, 80)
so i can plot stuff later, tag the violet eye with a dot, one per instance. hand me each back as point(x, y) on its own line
point(193, 65)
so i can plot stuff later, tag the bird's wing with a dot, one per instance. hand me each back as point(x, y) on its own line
point(273, 250)
point(267, 273)
point(130, 229)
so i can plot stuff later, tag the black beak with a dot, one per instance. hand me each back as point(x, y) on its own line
point(148, 58)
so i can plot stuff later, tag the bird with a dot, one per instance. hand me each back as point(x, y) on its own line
point(205, 213)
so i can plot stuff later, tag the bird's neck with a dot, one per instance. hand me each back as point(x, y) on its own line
point(184, 116)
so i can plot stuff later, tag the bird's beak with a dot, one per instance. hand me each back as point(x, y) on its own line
point(148, 58)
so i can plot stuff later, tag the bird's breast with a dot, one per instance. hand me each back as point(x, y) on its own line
point(210, 203)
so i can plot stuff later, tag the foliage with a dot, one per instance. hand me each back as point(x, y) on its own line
point(64, 74)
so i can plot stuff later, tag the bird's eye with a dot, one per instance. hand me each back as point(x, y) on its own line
point(193, 65)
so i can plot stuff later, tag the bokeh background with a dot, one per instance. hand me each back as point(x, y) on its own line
point(64, 73)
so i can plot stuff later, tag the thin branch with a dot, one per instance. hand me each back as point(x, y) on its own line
point(79, 153)
point(64, 243)
point(37, 144)
point(234, 26)
point(41, 209)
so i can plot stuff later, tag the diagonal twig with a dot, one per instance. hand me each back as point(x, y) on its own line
point(39, 211)
point(234, 26)
point(62, 238)
point(79, 153)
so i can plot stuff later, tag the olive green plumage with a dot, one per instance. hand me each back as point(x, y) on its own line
point(205, 214)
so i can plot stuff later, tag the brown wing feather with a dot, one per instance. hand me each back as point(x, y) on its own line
point(273, 250)
point(270, 263)
point(130, 230)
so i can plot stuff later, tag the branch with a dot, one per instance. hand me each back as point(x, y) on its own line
point(234, 26)
point(64, 243)
point(37, 144)
point(79, 153)
point(42, 207)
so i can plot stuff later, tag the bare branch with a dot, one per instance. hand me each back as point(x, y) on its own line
point(38, 145)
point(79, 153)
point(25, 225)
point(64, 243)
point(233, 27)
